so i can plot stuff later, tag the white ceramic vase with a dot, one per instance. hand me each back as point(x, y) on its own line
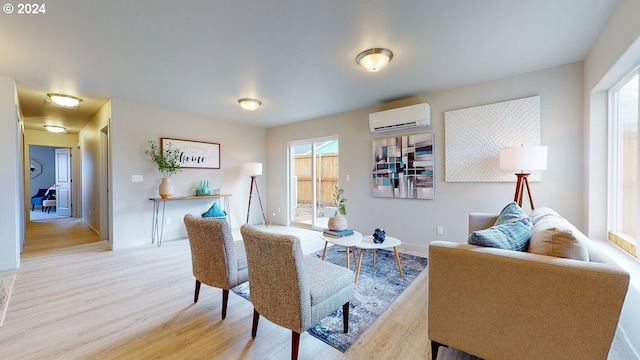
point(166, 188)
point(337, 222)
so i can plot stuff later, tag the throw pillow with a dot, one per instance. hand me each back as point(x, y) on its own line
point(215, 212)
point(539, 213)
point(511, 231)
point(555, 236)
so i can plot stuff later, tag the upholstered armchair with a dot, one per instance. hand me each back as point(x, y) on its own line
point(37, 198)
point(217, 259)
point(292, 290)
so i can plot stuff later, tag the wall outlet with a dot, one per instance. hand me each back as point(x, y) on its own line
point(167, 220)
point(136, 178)
point(439, 230)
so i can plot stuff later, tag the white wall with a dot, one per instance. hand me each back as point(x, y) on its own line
point(11, 196)
point(415, 221)
point(615, 53)
point(132, 125)
point(91, 153)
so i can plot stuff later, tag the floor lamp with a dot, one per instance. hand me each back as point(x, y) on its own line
point(254, 169)
point(523, 159)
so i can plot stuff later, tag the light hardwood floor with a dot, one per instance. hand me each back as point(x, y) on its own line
point(76, 299)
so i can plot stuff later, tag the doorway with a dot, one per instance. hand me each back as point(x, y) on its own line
point(313, 176)
point(49, 182)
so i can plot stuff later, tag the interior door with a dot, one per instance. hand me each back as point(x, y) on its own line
point(63, 182)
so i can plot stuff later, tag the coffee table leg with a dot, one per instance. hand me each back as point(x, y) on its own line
point(395, 250)
point(325, 249)
point(347, 253)
point(359, 263)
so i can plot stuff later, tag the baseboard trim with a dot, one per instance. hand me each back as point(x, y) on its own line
point(626, 344)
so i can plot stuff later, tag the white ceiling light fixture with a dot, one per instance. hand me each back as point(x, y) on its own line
point(374, 59)
point(55, 129)
point(249, 103)
point(67, 101)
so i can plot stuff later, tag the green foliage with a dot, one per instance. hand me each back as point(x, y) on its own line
point(167, 159)
point(339, 200)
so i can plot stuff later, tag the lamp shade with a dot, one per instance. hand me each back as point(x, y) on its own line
point(252, 168)
point(524, 158)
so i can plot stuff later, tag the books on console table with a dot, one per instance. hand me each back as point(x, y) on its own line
point(337, 233)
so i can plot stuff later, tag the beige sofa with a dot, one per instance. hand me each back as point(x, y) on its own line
point(505, 304)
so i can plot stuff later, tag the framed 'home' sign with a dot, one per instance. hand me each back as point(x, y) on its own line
point(195, 154)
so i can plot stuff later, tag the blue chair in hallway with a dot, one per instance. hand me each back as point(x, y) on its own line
point(37, 198)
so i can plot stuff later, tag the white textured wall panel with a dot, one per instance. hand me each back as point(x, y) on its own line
point(475, 135)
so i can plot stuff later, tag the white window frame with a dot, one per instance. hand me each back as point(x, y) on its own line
point(628, 244)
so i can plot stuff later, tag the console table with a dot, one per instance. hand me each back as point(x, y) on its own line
point(157, 224)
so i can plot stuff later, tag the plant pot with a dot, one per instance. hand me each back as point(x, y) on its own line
point(337, 222)
point(166, 188)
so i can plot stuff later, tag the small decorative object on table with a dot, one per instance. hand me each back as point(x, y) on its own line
point(338, 222)
point(378, 236)
point(168, 162)
point(203, 188)
point(337, 233)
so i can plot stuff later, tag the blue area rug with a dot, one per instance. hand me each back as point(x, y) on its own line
point(377, 288)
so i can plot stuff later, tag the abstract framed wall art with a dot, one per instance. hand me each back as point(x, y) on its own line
point(195, 154)
point(403, 167)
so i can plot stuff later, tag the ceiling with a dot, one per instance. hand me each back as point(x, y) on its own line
point(296, 56)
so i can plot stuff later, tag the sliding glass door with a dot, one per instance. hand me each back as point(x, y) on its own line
point(313, 176)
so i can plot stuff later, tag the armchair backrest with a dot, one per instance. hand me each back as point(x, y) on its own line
point(213, 253)
point(278, 283)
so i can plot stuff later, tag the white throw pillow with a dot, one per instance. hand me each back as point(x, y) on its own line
point(554, 235)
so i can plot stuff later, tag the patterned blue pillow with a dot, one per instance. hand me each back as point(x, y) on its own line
point(215, 212)
point(511, 231)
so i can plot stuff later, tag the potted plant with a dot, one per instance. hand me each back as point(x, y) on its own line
point(167, 160)
point(338, 222)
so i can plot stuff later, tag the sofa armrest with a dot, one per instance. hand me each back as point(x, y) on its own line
point(481, 221)
point(502, 304)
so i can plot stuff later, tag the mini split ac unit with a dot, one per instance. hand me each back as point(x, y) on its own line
point(407, 117)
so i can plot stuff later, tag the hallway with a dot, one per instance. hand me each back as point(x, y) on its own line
point(50, 235)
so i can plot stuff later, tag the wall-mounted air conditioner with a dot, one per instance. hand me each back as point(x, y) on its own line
point(400, 118)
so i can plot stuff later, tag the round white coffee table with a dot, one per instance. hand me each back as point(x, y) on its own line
point(389, 242)
point(347, 241)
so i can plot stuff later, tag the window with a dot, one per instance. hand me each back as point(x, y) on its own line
point(623, 154)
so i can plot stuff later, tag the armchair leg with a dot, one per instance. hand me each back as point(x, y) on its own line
point(225, 300)
point(345, 317)
point(254, 328)
point(197, 292)
point(434, 349)
point(295, 344)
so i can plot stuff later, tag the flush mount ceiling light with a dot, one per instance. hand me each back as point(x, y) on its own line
point(374, 59)
point(55, 129)
point(249, 103)
point(67, 101)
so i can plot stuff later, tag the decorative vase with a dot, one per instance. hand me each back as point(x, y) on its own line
point(165, 188)
point(337, 222)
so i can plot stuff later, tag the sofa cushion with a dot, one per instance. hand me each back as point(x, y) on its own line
point(553, 235)
point(511, 231)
